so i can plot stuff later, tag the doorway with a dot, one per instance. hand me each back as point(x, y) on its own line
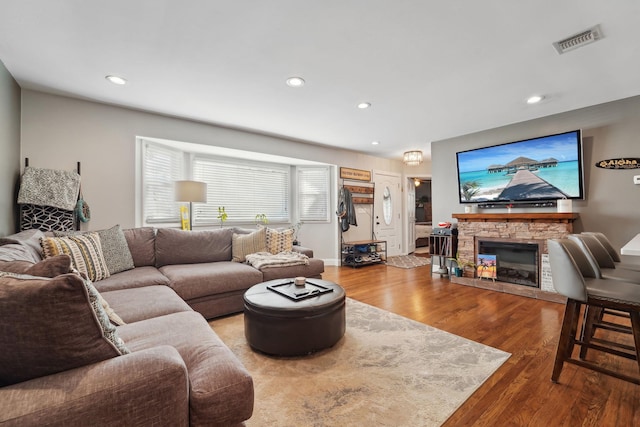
point(420, 217)
point(387, 218)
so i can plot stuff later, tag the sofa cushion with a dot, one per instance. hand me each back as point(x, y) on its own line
point(197, 280)
point(143, 303)
point(220, 388)
point(50, 267)
point(85, 252)
point(245, 244)
point(175, 246)
point(136, 278)
point(279, 240)
point(114, 248)
point(142, 245)
point(30, 242)
point(51, 325)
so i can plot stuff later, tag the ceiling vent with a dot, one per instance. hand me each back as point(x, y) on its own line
point(578, 40)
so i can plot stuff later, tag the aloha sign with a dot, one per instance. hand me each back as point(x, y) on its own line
point(623, 163)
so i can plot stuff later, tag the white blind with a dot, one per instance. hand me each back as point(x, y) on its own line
point(313, 193)
point(161, 167)
point(244, 188)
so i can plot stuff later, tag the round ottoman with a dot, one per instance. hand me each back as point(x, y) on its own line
point(279, 325)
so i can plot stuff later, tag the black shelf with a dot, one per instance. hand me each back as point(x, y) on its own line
point(363, 252)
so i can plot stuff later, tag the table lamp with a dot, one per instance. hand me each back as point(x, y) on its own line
point(191, 191)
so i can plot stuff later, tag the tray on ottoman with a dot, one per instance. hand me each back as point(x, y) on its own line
point(296, 293)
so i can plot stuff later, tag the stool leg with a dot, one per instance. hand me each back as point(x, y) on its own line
point(592, 315)
point(567, 337)
point(635, 327)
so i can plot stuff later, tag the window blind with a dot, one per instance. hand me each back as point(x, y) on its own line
point(313, 193)
point(244, 188)
point(161, 167)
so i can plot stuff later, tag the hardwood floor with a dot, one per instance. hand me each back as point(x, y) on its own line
point(520, 393)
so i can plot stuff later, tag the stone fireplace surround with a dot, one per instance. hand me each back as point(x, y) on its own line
point(513, 227)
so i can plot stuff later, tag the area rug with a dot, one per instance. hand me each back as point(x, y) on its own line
point(407, 261)
point(386, 371)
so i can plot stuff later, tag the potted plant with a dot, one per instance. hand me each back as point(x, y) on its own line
point(296, 227)
point(461, 265)
point(222, 215)
point(262, 219)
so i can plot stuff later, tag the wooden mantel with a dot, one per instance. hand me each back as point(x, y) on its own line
point(548, 217)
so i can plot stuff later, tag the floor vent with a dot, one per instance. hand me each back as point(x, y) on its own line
point(578, 40)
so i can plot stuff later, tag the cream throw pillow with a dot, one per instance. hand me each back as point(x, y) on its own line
point(245, 244)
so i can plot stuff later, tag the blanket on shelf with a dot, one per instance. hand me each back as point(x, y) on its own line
point(48, 187)
point(262, 260)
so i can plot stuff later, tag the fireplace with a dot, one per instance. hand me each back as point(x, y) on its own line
point(516, 262)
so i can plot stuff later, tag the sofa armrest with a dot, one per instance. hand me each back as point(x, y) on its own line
point(307, 251)
point(147, 387)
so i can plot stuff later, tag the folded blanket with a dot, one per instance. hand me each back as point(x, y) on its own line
point(48, 187)
point(262, 260)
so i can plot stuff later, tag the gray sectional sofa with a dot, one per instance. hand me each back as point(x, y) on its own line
point(62, 364)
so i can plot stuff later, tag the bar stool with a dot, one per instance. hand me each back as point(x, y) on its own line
point(575, 278)
point(604, 240)
point(601, 259)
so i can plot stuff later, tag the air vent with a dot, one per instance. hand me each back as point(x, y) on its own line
point(578, 40)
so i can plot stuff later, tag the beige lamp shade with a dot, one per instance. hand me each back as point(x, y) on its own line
point(191, 191)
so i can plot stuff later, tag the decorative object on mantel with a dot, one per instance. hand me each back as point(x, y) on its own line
point(565, 205)
point(412, 158)
point(622, 163)
point(509, 206)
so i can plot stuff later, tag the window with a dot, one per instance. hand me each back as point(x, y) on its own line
point(313, 193)
point(245, 188)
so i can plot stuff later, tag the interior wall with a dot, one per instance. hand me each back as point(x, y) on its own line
point(609, 130)
point(10, 149)
point(59, 131)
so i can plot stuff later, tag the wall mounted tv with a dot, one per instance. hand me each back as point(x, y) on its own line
point(534, 170)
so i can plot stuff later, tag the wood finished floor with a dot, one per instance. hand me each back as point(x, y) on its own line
point(520, 393)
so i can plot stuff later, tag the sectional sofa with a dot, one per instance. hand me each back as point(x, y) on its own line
point(132, 348)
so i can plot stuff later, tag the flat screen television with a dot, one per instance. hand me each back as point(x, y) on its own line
point(533, 170)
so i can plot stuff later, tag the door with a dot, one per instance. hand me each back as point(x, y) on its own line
point(411, 216)
point(386, 211)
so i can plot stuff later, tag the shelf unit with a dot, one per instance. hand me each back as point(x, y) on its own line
point(363, 252)
point(442, 246)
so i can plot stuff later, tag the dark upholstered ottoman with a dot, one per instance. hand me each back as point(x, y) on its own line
point(277, 325)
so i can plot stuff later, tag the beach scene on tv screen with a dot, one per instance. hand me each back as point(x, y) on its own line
point(538, 169)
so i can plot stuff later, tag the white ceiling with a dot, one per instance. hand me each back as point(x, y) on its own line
point(431, 69)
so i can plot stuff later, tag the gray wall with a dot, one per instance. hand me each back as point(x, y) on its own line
point(611, 130)
point(10, 149)
point(58, 131)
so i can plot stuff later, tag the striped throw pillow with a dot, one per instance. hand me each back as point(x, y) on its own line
point(85, 251)
point(245, 244)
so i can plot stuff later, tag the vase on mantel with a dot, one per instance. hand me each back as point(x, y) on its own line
point(508, 210)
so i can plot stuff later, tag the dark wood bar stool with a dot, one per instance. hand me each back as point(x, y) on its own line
point(575, 277)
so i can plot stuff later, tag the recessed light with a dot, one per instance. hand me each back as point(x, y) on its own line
point(364, 105)
point(375, 143)
point(116, 80)
point(534, 99)
point(295, 81)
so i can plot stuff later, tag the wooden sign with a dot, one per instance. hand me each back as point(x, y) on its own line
point(356, 174)
point(623, 163)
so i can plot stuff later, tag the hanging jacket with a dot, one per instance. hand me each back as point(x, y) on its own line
point(346, 209)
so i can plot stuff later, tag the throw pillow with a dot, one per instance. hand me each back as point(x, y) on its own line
point(114, 248)
point(85, 251)
point(245, 244)
point(279, 240)
point(51, 325)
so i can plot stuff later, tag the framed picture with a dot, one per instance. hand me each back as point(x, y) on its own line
point(486, 266)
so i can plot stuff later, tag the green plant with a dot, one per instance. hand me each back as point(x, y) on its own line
point(262, 218)
point(222, 215)
point(461, 263)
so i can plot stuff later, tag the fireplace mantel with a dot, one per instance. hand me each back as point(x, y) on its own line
point(547, 217)
point(525, 227)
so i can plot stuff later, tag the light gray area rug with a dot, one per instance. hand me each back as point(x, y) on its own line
point(407, 261)
point(386, 371)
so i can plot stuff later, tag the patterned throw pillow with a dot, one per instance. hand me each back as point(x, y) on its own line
point(114, 247)
point(279, 240)
point(245, 244)
point(85, 251)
